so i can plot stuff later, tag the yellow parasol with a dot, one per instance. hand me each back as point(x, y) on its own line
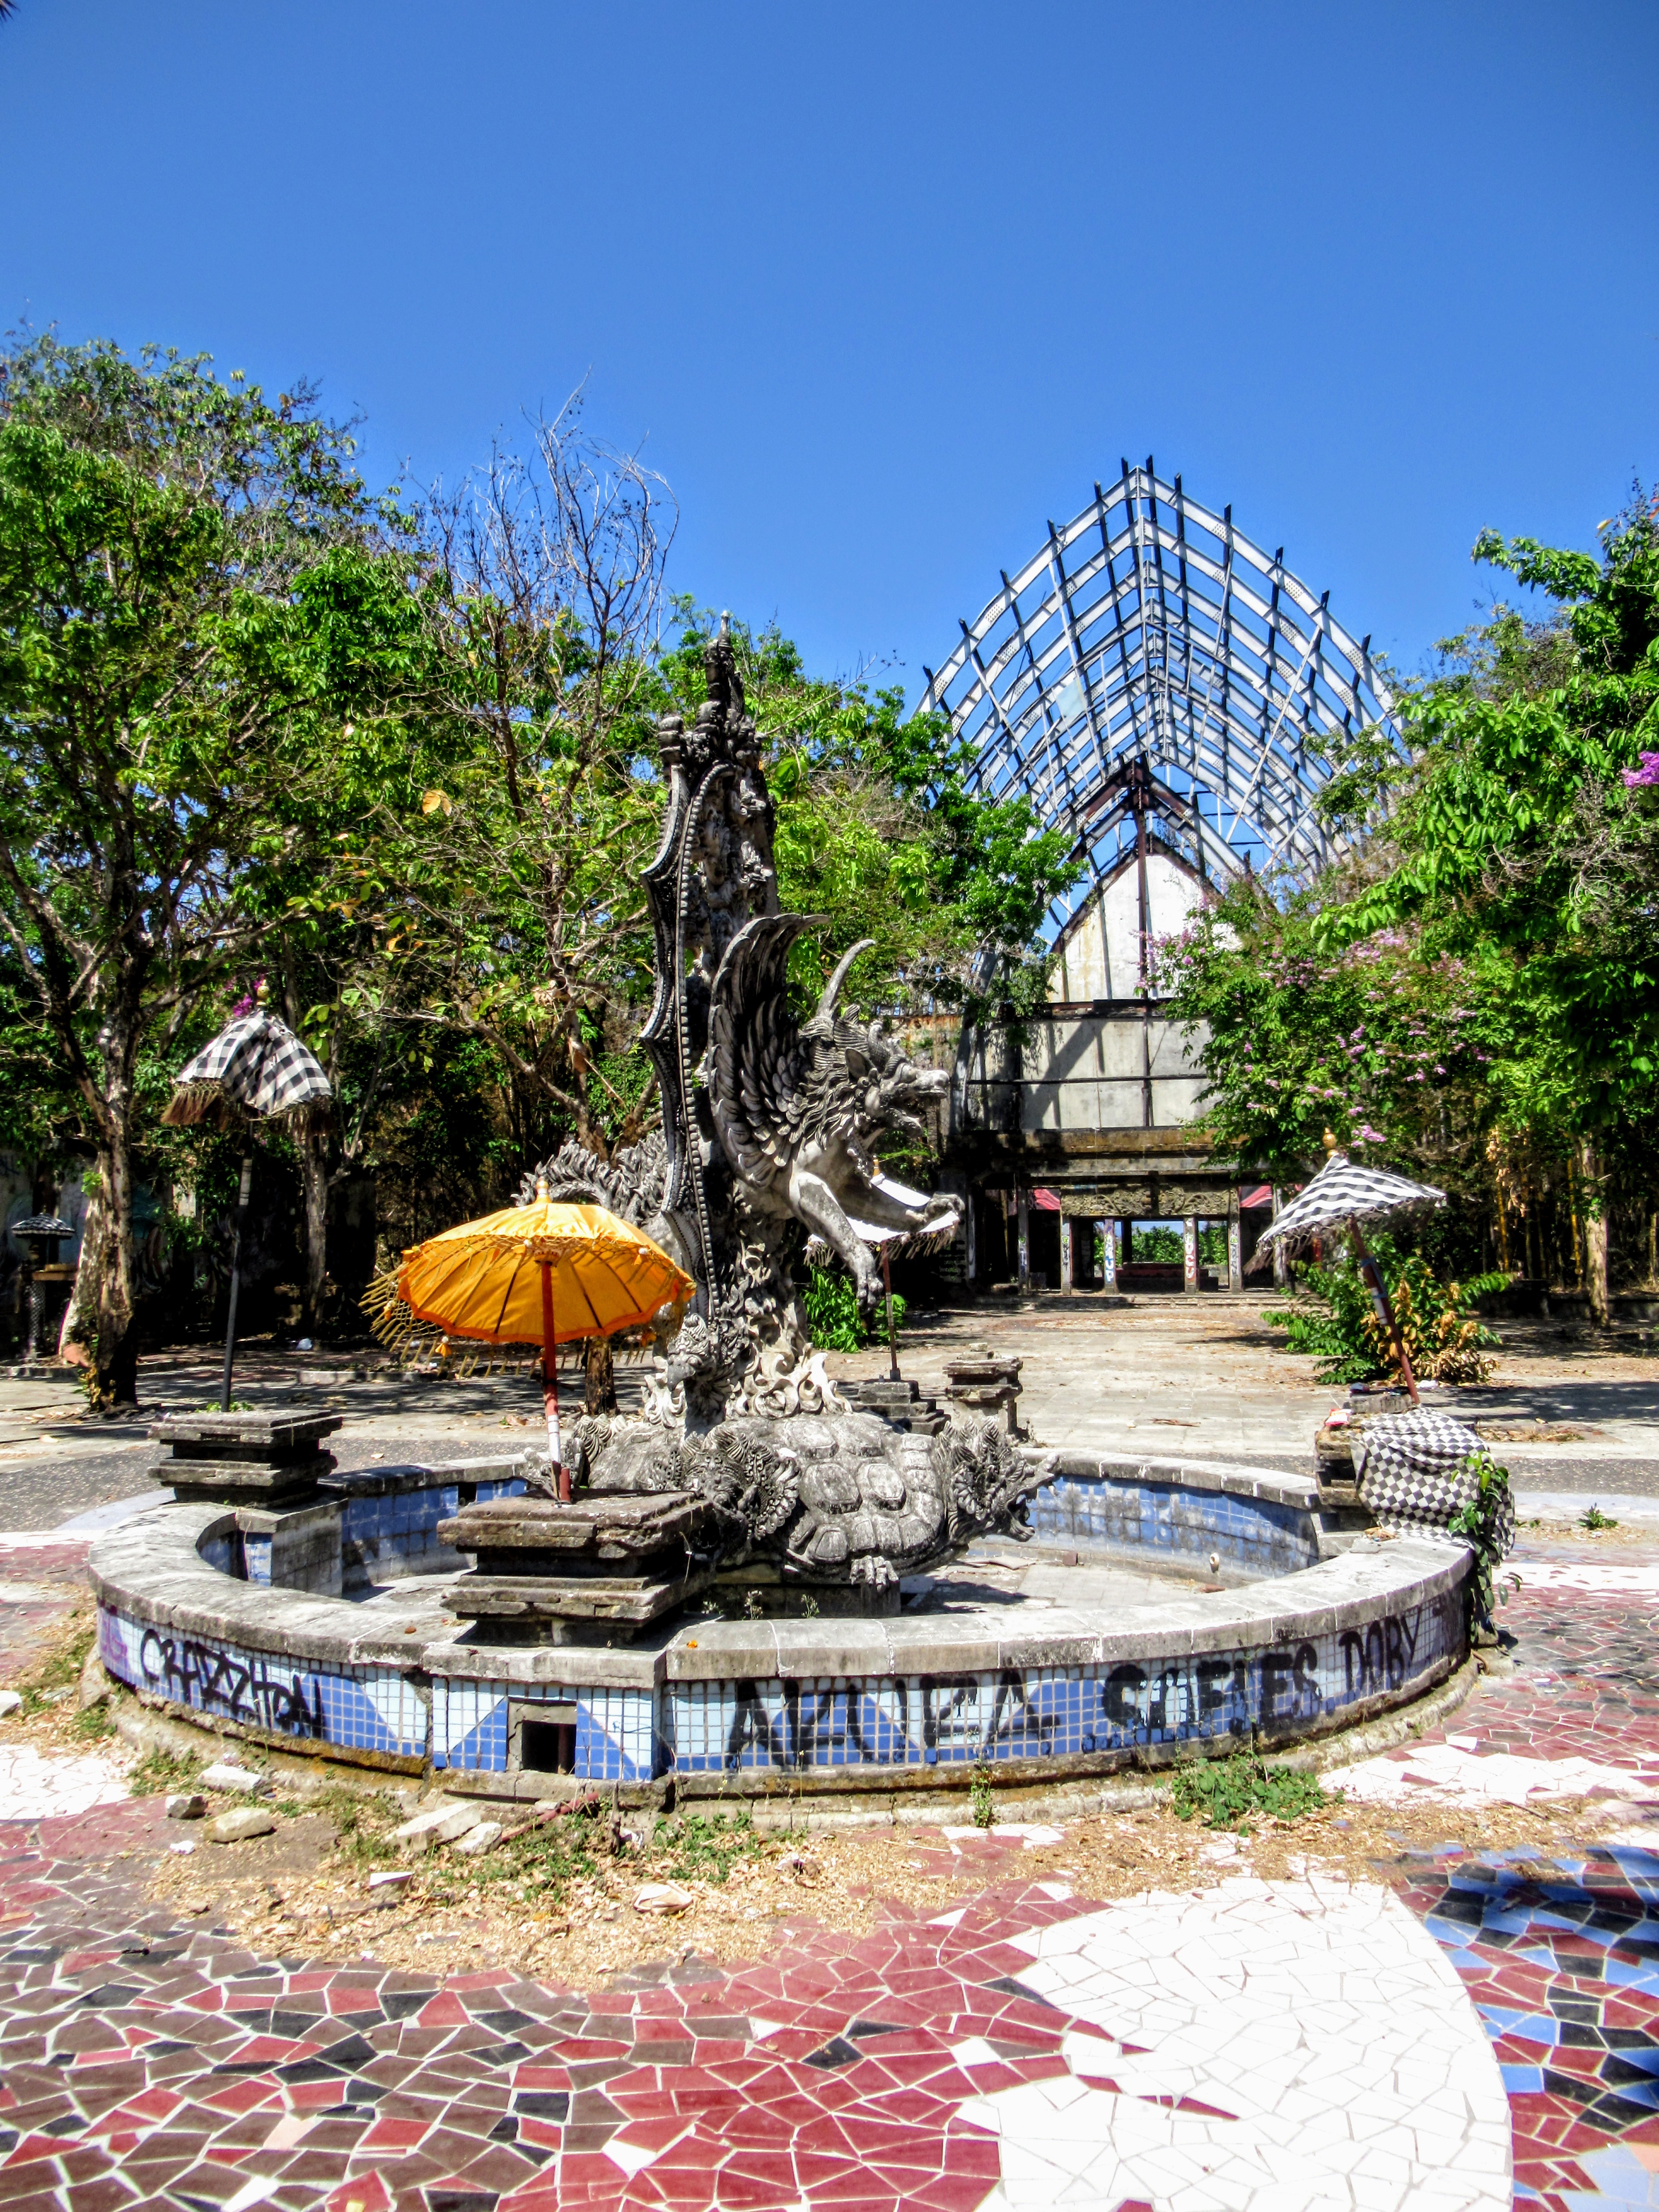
point(543, 1273)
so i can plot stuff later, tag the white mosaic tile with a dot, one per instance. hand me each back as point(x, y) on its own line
point(1341, 2063)
point(1632, 1578)
point(45, 1785)
point(1452, 1774)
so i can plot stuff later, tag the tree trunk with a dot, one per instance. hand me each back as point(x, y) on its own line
point(1595, 1233)
point(312, 1148)
point(313, 1178)
point(599, 1376)
point(99, 1318)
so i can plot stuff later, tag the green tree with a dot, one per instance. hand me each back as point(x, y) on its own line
point(166, 538)
point(1480, 974)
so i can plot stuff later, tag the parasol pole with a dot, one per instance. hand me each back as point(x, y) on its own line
point(892, 1341)
point(242, 1197)
point(1371, 1276)
point(550, 1385)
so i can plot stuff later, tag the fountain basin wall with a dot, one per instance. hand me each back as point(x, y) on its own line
point(836, 1705)
point(1257, 1523)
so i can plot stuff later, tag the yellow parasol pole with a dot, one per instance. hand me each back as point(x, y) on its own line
point(551, 1384)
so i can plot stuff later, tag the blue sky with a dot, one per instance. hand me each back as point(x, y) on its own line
point(883, 287)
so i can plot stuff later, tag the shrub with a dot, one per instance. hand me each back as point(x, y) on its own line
point(1334, 1320)
point(833, 1320)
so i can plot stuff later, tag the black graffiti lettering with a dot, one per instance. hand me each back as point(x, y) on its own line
point(1214, 1684)
point(1120, 1697)
point(1023, 1718)
point(936, 1715)
point(752, 1725)
point(871, 1754)
point(193, 1672)
point(1164, 1711)
point(1276, 1669)
point(1382, 1656)
point(1307, 1679)
point(803, 1729)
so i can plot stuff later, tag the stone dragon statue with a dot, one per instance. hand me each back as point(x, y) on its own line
point(769, 1130)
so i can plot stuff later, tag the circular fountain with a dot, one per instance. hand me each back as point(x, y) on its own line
point(755, 1587)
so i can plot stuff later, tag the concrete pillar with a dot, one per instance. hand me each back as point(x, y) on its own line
point(1067, 1256)
point(1022, 1217)
point(1108, 1254)
point(1189, 1251)
point(970, 1238)
point(1281, 1271)
point(1234, 1248)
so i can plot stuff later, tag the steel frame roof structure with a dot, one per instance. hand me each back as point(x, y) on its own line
point(1149, 657)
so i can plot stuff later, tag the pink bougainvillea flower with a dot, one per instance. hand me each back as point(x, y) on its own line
point(1647, 773)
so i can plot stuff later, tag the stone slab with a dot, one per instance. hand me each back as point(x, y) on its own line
point(248, 1479)
point(597, 1526)
point(280, 1429)
point(546, 1598)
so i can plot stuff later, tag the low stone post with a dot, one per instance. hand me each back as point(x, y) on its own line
point(982, 1383)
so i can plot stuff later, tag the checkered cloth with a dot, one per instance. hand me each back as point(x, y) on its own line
point(1342, 1192)
point(1413, 1472)
point(254, 1066)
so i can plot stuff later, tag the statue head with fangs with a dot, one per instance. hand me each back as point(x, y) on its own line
point(768, 1132)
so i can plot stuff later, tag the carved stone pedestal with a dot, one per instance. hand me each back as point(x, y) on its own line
point(244, 1459)
point(596, 1570)
point(985, 1384)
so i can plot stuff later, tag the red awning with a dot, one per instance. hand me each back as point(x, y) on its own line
point(1046, 1201)
point(1261, 1195)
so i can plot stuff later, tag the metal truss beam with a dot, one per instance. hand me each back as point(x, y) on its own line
point(1149, 625)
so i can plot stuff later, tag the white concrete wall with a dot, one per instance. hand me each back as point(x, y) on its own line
point(1098, 952)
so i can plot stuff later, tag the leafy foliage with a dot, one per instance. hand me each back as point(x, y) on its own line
point(1485, 1524)
point(834, 1321)
point(1333, 1319)
point(1228, 1793)
point(1474, 988)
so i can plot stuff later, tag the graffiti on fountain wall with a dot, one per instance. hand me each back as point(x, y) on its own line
point(1028, 1713)
point(366, 1708)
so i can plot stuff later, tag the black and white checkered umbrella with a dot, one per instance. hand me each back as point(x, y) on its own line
point(1343, 1192)
point(255, 1066)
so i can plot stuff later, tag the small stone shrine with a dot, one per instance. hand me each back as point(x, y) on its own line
point(244, 1459)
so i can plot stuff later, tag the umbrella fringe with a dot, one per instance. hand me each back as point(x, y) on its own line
point(413, 1342)
point(314, 1118)
point(194, 1103)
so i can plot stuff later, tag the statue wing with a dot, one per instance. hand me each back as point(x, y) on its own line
point(769, 1083)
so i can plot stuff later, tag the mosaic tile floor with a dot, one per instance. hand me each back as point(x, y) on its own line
point(1267, 2047)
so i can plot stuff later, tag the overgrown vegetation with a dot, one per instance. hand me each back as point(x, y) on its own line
point(1473, 989)
point(1333, 1319)
point(1229, 1793)
point(397, 756)
point(830, 1298)
point(979, 1796)
point(1486, 1524)
point(52, 1679)
point(162, 1773)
